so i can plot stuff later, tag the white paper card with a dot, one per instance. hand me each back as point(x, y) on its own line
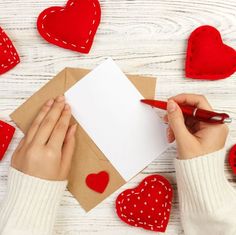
point(108, 107)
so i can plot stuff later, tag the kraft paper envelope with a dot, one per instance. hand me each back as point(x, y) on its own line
point(87, 157)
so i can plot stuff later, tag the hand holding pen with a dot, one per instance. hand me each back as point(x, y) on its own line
point(193, 137)
point(192, 111)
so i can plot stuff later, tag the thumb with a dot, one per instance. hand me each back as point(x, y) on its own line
point(176, 121)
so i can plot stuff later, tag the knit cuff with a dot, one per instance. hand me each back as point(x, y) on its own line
point(30, 203)
point(202, 185)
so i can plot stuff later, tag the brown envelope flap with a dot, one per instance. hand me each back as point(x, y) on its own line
point(87, 157)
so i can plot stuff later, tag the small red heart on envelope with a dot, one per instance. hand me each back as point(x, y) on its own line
point(148, 205)
point(8, 54)
point(207, 56)
point(73, 26)
point(98, 182)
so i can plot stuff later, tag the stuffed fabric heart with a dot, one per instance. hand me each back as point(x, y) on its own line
point(148, 205)
point(98, 182)
point(232, 158)
point(6, 134)
point(207, 56)
point(8, 54)
point(73, 26)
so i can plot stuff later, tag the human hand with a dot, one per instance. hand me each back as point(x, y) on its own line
point(193, 138)
point(47, 148)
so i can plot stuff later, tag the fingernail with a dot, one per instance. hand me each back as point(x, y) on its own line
point(171, 106)
point(60, 98)
point(50, 102)
point(67, 107)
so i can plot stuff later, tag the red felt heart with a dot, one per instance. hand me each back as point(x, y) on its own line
point(207, 56)
point(8, 54)
point(98, 182)
point(6, 134)
point(232, 158)
point(73, 26)
point(148, 205)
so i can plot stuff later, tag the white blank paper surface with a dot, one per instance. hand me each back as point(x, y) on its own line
point(108, 107)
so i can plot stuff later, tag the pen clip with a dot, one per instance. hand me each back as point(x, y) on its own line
point(222, 118)
point(211, 117)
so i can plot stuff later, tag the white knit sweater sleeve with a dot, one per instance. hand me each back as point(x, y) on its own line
point(207, 200)
point(30, 205)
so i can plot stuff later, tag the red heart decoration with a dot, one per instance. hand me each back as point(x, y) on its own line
point(232, 158)
point(9, 57)
point(207, 56)
point(98, 182)
point(71, 27)
point(6, 134)
point(148, 205)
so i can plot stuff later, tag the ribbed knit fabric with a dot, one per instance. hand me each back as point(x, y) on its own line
point(30, 205)
point(207, 200)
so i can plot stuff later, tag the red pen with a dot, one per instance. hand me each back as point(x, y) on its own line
point(191, 111)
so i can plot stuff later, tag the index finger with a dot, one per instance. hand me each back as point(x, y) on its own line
point(199, 101)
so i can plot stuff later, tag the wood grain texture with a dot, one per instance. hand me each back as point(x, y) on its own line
point(146, 37)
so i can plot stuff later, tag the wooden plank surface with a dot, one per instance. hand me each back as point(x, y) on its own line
point(146, 37)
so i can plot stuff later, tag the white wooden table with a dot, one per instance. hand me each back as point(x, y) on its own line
point(146, 37)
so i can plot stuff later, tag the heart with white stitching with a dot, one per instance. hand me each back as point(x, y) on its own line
point(6, 133)
point(148, 205)
point(9, 57)
point(71, 27)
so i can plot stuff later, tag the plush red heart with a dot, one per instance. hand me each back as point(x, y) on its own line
point(73, 26)
point(6, 133)
point(148, 205)
point(98, 182)
point(232, 158)
point(9, 57)
point(207, 56)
